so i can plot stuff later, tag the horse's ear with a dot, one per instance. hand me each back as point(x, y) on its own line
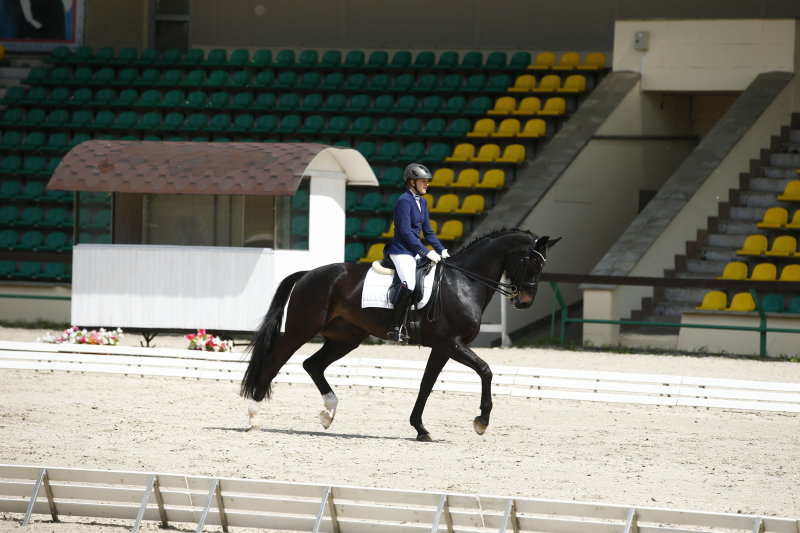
point(551, 242)
point(545, 243)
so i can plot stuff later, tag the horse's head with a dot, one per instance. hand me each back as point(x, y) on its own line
point(524, 267)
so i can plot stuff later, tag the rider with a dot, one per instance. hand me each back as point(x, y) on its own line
point(410, 218)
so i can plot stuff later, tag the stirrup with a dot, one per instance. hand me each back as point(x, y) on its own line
point(397, 335)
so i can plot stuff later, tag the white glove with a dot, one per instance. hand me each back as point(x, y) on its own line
point(433, 256)
point(445, 254)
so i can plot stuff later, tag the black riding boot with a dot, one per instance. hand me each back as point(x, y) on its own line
point(401, 304)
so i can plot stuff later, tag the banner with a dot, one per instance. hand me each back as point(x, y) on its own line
point(40, 24)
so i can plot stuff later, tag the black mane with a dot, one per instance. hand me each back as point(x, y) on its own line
point(492, 235)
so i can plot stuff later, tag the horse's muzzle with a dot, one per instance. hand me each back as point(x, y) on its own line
point(523, 299)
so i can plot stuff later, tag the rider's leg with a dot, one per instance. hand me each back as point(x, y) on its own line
point(406, 267)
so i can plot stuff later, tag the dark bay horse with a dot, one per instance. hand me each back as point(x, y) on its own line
point(327, 301)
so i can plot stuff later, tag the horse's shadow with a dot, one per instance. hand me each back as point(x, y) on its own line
point(314, 434)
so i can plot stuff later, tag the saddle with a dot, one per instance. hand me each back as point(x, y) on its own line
point(387, 266)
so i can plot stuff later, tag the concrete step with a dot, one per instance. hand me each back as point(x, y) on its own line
point(785, 160)
point(746, 213)
point(757, 199)
point(794, 136)
point(728, 241)
point(703, 268)
point(775, 185)
point(779, 172)
point(737, 227)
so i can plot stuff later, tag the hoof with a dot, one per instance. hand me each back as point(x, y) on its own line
point(253, 428)
point(480, 427)
point(424, 437)
point(326, 418)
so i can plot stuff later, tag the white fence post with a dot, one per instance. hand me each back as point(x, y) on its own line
point(41, 479)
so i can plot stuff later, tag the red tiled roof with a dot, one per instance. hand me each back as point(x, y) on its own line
point(185, 167)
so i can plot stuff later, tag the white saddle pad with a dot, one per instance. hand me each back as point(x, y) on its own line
point(376, 288)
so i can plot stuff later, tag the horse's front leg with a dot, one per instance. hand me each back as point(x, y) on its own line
point(464, 355)
point(436, 363)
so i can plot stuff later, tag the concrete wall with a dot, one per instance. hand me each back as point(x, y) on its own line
point(34, 302)
point(704, 55)
point(117, 23)
point(739, 342)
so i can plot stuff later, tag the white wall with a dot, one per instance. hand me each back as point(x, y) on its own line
point(705, 55)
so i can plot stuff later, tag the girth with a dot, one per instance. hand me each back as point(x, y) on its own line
point(423, 267)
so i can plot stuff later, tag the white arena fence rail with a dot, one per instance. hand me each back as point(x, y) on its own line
point(55, 492)
point(542, 383)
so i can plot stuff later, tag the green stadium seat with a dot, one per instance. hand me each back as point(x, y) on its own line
point(299, 225)
point(378, 59)
point(56, 241)
point(36, 75)
point(149, 121)
point(332, 81)
point(334, 103)
point(474, 83)
point(35, 96)
point(82, 55)
point(27, 270)
point(337, 125)
point(427, 83)
point(424, 60)
point(194, 78)
point(104, 56)
point(103, 76)
point(289, 124)
point(353, 251)
point(126, 56)
point(32, 166)
point(406, 104)
point(219, 100)
point(308, 59)
point(57, 142)
point(287, 79)
point(265, 124)
point(13, 95)
point(242, 123)
point(451, 83)
point(54, 271)
point(284, 58)
point(195, 122)
point(59, 96)
point(103, 97)
point(57, 217)
point(59, 54)
point(219, 122)
point(458, 127)
point(195, 57)
point(361, 126)
point(392, 177)
point(79, 138)
point(216, 57)
point(56, 119)
point(352, 225)
point(373, 228)
point(311, 102)
point(149, 98)
point(30, 240)
point(239, 79)
point(148, 56)
point(434, 127)
point(499, 83)
point(355, 82)
point(31, 216)
point(80, 76)
point(312, 125)
point(371, 201)
point(9, 166)
point(239, 58)
point(264, 101)
point(125, 120)
point(216, 78)
point(431, 103)
point(173, 98)
point(33, 142)
point(437, 152)
point(471, 60)
point(360, 103)
point(478, 105)
point(385, 126)
point(287, 102)
point(495, 60)
point(170, 78)
point(331, 59)
point(403, 82)
point(262, 58)
point(7, 269)
point(8, 215)
point(390, 202)
point(196, 99)
point(310, 80)
point(414, 151)
point(520, 60)
point(400, 60)
point(11, 140)
point(12, 116)
point(388, 151)
point(382, 104)
point(241, 100)
point(300, 199)
point(447, 60)
point(8, 239)
point(410, 126)
point(353, 59)
point(367, 149)
point(172, 121)
point(127, 97)
point(33, 118)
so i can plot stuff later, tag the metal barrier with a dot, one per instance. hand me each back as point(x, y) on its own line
point(750, 286)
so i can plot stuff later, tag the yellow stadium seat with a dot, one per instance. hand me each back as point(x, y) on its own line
point(504, 105)
point(553, 107)
point(514, 153)
point(543, 61)
point(467, 178)
point(734, 270)
point(487, 153)
point(764, 272)
point(790, 273)
point(523, 84)
point(714, 301)
point(447, 203)
point(374, 253)
point(568, 61)
point(791, 193)
point(774, 217)
point(462, 152)
point(795, 222)
point(451, 230)
point(573, 84)
point(530, 105)
point(548, 84)
point(472, 205)
point(509, 127)
point(389, 233)
point(742, 301)
point(483, 127)
point(442, 177)
point(494, 178)
point(534, 128)
point(753, 245)
point(593, 61)
point(782, 246)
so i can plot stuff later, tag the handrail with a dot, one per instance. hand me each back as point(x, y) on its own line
point(750, 286)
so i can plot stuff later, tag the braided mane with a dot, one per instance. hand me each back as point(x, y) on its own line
point(492, 235)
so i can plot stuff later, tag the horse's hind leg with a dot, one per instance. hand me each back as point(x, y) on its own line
point(340, 340)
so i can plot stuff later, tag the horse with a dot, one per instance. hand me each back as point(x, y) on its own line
point(327, 301)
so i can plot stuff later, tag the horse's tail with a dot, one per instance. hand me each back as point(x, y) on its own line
point(262, 369)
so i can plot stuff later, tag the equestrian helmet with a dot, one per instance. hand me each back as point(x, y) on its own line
point(415, 171)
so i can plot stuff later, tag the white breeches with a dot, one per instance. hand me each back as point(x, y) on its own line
point(406, 267)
